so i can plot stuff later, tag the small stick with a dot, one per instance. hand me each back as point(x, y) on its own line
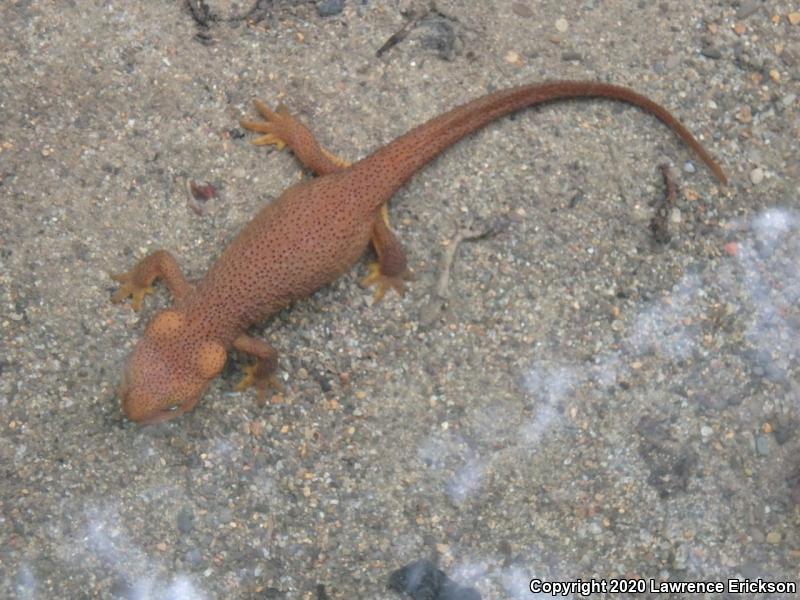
point(441, 293)
point(659, 224)
point(403, 32)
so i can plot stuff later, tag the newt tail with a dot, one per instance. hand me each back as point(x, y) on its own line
point(399, 160)
point(305, 239)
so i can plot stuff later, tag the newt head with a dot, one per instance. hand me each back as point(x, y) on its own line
point(168, 370)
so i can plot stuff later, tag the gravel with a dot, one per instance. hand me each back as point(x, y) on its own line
point(546, 421)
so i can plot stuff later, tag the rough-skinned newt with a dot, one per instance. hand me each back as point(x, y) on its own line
point(305, 239)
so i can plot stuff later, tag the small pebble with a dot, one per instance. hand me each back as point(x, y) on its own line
point(794, 17)
point(706, 432)
point(185, 520)
point(571, 55)
point(745, 114)
point(561, 25)
point(774, 537)
point(711, 52)
point(329, 8)
point(513, 58)
point(757, 175)
point(688, 167)
point(522, 10)
point(762, 445)
point(681, 557)
point(747, 8)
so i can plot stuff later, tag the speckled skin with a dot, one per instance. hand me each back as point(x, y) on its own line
point(305, 239)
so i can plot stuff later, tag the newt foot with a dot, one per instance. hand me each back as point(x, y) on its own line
point(276, 126)
point(383, 282)
point(254, 376)
point(130, 288)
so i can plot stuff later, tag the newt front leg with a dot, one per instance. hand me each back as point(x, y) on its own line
point(137, 282)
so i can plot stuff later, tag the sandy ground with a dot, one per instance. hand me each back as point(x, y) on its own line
point(588, 403)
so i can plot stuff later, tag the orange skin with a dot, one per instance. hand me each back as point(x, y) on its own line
point(315, 231)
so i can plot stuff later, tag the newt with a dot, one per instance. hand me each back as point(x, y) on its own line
point(306, 238)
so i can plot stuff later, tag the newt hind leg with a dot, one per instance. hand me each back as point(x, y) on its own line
point(281, 129)
point(390, 271)
point(138, 282)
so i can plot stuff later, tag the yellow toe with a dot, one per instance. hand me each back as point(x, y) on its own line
point(130, 290)
point(248, 379)
point(269, 139)
point(257, 126)
point(383, 283)
point(373, 274)
point(137, 297)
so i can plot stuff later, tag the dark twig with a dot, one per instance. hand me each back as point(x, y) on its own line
point(200, 12)
point(403, 32)
point(659, 224)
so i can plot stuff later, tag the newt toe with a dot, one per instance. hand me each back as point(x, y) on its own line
point(384, 283)
point(130, 289)
point(255, 378)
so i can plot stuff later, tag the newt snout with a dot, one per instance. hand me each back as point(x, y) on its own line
point(168, 370)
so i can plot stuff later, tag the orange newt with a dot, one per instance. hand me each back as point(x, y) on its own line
point(305, 239)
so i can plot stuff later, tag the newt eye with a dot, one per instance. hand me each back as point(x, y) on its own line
point(166, 323)
point(173, 408)
point(210, 357)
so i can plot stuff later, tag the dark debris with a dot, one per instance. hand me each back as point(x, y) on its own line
point(422, 580)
